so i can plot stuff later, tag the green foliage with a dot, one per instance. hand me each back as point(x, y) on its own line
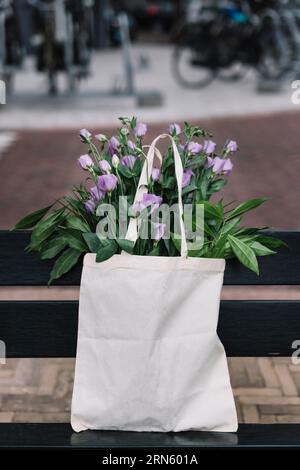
point(66, 230)
point(32, 219)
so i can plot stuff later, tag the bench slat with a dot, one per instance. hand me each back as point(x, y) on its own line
point(61, 436)
point(18, 268)
point(246, 328)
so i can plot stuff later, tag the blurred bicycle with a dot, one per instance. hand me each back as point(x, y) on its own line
point(63, 39)
point(11, 51)
point(226, 38)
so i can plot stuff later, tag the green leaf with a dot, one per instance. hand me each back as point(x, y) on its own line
point(219, 247)
point(64, 263)
point(53, 247)
point(107, 250)
point(261, 250)
point(125, 245)
point(125, 171)
point(45, 228)
point(209, 231)
point(244, 253)
point(75, 204)
point(78, 223)
point(74, 239)
point(229, 226)
point(245, 207)
point(188, 189)
point(271, 242)
point(216, 185)
point(169, 183)
point(92, 240)
point(32, 219)
point(155, 251)
point(212, 211)
point(196, 161)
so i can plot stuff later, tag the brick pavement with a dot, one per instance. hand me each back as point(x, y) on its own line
point(41, 166)
point(39, 390)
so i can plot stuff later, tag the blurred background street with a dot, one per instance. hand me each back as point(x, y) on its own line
point(137, 65)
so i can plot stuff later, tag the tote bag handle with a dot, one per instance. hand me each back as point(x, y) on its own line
point(142, 188)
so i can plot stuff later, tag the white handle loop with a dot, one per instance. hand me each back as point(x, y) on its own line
point(142, 188)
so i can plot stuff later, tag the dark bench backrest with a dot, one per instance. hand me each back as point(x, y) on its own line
point(49, 328)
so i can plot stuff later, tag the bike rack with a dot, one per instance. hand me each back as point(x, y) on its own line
point(145, 98)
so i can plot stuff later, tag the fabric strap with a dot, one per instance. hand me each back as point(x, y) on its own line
point(142, 188)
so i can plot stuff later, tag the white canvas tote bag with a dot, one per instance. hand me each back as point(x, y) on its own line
point(148, 355)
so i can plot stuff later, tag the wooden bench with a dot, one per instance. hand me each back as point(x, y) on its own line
point(49, 329)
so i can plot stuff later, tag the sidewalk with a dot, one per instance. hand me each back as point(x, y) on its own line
point(30, 107)
point(41, 166)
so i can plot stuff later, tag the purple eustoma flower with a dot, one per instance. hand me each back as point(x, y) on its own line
point(85, 136)
point(129, 161)
point(107, 183)
point(85, 162)
point(90, 205)
point(174, 129)
point(104, 166)
point(194, 147)
point(218, 165)
point(113, 145)
point(209, 147)
point(227, 167)
point(131, 145)
point(155, 175)
point(187, 175)
point(146, 201)
point(96, 193)
point(209, 162)
point(231, 146)
point(140, 129)
point(159, 230)
point(221, 165)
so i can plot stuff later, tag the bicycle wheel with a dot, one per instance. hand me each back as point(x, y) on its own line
point(276, 56)
point(234, 72)
point(188, 69)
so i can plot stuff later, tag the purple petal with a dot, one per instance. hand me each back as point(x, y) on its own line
point(85, 136)
point(194, 147)
point(90, 205)
point(104, 166)
point(129, 161)
point(85, 162)
point(231, 146)
point(174, 129)
point(113, 145)
point(209, 147)
point(155, 174)
point(107, 183)
point(140, 129)
point(187, 175)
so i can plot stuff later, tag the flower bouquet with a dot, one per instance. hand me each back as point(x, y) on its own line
point(70, 227)
point(148, 355)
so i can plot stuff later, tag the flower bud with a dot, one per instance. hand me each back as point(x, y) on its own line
point(115, 161)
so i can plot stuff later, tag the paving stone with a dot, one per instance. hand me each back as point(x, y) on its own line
point(280, 409)
point(251, 414)
point(287, 383)
point(6, 416)
point(267, 371)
